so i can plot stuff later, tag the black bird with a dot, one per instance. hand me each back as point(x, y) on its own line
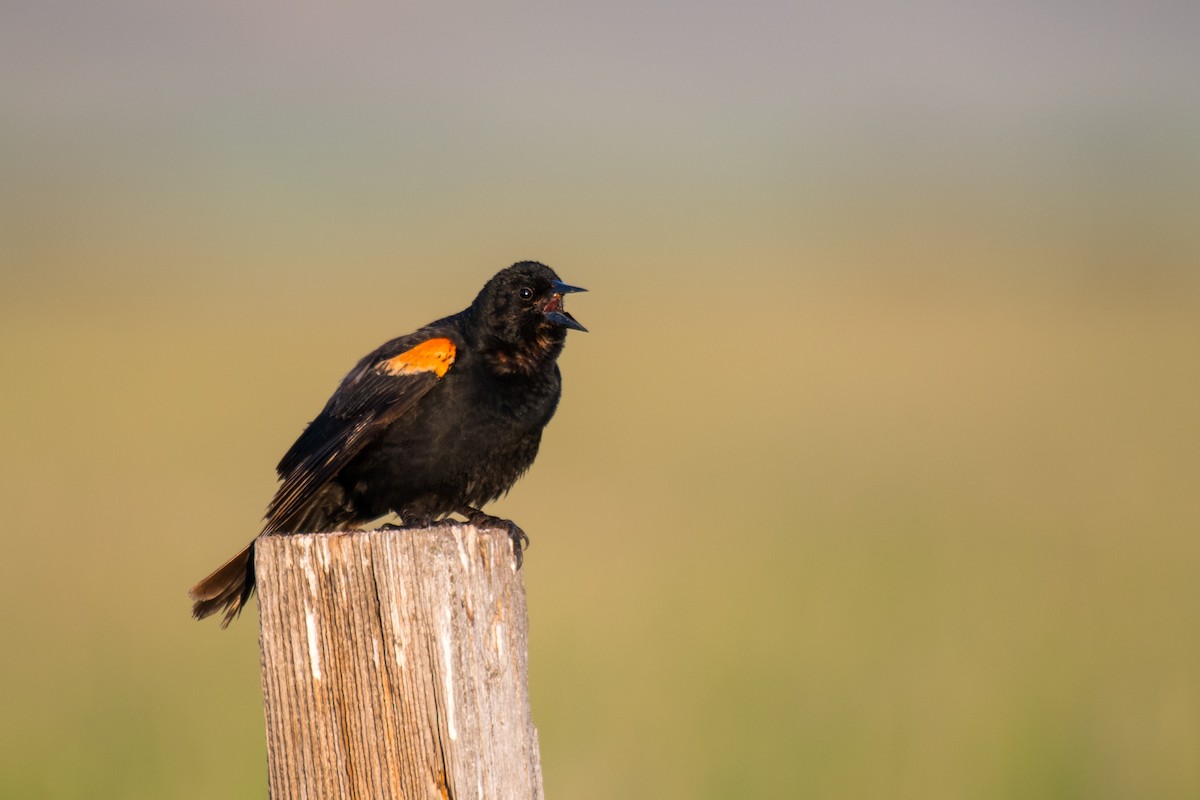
point(441, 421)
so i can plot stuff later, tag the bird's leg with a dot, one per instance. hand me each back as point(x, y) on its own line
point(481, 520)
point(417, 520)
point(410, 521)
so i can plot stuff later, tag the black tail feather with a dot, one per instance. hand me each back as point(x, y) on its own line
point(228, 588)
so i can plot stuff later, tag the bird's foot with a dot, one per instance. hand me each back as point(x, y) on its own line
point(520, 542)
point(415, 521)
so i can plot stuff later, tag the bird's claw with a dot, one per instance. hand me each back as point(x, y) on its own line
point(520, 541)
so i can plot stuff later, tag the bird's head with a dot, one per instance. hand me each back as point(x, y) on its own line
point(522, 307)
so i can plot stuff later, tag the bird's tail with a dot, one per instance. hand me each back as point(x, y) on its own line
point(228, 588)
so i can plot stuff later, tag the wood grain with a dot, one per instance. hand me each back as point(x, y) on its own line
point(394, 665)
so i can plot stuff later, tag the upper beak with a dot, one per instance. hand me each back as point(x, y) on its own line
point(555, 312)
point(561, 288)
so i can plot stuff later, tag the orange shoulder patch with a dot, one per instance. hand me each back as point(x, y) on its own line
point(435, 355)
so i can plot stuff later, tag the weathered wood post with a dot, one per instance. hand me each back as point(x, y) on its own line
point(394, 665)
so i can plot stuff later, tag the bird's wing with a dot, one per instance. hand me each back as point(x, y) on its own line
point(381, 388)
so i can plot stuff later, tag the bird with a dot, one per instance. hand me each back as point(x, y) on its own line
point(441, 421)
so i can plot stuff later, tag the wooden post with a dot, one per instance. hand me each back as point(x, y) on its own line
point(394, 665)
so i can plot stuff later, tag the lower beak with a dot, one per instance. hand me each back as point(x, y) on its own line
point(565, 320)
point(555, 313)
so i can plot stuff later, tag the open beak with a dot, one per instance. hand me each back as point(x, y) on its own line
point(555, 313)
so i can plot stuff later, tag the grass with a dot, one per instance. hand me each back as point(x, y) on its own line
point(836, 541)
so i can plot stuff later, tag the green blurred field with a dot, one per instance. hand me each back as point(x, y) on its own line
point(794, 535)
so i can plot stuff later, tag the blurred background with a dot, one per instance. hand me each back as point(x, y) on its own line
point(875, 477)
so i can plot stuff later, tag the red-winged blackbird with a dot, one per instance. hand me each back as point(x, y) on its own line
point(438, 422)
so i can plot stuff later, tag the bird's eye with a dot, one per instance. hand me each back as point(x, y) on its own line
point(526, 293)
